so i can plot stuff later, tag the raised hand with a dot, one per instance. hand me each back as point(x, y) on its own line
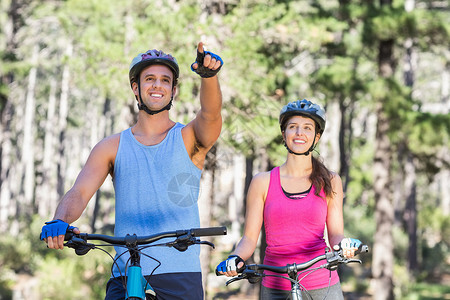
point(207, 64)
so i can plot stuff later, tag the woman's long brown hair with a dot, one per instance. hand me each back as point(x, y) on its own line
point(321, 177)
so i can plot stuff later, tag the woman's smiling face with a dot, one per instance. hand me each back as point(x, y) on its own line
point(300, 133)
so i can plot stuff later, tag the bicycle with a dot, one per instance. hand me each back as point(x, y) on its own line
point(136, 285)
point(254, 272)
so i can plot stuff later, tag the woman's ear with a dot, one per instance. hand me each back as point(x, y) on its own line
point(316, 140)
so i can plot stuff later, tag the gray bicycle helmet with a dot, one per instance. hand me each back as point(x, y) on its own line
point(152, 57)
point(304, 108)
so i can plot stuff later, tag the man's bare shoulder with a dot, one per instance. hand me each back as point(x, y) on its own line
point(108, 145)
point(112, 139)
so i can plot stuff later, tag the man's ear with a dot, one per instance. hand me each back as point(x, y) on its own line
point(174, 91)
point(134, 87)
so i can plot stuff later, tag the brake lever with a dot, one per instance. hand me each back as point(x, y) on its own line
point(206, 243)
point(333, 258)
point(352, 260)
point(80, 245)
point(237, 278)
point(183, 242)
point(251, 275)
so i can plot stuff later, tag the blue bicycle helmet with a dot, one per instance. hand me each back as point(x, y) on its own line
point(304, 108)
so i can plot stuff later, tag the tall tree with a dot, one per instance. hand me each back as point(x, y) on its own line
point(407, 160)
point(383, 255)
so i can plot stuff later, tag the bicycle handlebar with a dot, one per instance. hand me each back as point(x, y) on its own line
point(333, 258)
point(184, 238)
point(141, 240)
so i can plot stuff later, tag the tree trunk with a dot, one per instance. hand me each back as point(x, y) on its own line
point(236, 203)
point(10, 27)
point(62, 123)
point(329, 146)
point(383, 254)
point(383, 259)
point(6, 203)
point(205, 203)
point(344, 168)
point(410, 213)
point(46, 196)
point(27, 157)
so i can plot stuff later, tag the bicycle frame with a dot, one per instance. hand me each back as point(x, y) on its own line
point(136, 282)
point(296, 293)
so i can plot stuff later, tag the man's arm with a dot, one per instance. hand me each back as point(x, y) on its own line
point(208, 122)
point(89, 180)
point(202, 132)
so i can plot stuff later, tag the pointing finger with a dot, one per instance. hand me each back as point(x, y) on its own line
point(200, 47)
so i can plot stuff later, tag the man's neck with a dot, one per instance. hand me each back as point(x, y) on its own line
point(151, 129)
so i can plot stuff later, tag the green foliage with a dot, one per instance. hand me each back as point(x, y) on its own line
point(387, 22)
point(357, 225)
point(73, 277)
point(430, 133)
point(431, 28)
point(424, 291)
point(62, 274)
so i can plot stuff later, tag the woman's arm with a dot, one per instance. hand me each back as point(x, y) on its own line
point(254, 215)
point(335, 218)
point(253, 219)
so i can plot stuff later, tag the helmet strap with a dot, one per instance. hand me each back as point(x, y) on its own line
point(144, 107)
point(304, 153)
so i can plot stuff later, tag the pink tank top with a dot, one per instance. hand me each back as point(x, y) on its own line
point(295, 234)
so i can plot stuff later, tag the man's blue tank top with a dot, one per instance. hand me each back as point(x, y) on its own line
point(156, 190)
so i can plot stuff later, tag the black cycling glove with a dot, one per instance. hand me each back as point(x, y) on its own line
point(203, 71)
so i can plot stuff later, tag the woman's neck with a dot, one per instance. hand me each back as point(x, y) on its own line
point(297, 165)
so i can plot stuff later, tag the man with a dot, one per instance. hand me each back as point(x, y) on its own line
point(156, 167)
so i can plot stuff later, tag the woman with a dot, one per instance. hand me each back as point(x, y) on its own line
point(295, 201)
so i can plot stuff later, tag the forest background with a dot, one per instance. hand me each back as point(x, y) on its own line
point(380, 68)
